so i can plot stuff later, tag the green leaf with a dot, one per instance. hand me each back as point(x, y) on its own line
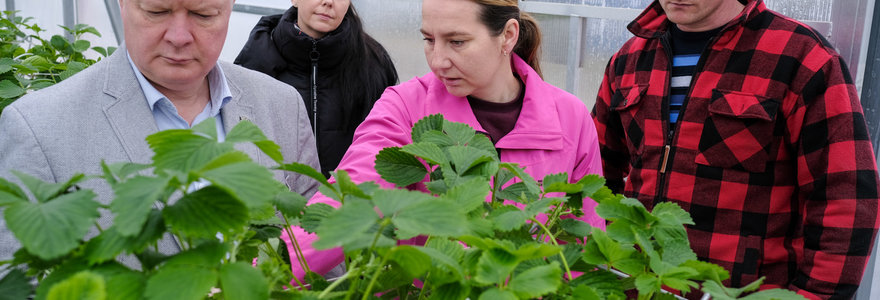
point(81, 45)
point(426, 124)
point(415, 262)
point(435, 217)
point(9, 89)
point(469, 195)
point(536, 250)
point(676, 253)
point(10, 193)
point(773, 295)
point(541, 206)
point(507, 218)
point(428, 151)
point(305, 170)
point(398, 167)
point(444, 261)
point(537, 281)
point(518, 192)
point(83, 285)
point(15, 285)
point(464, 158)
point(679, 278)
point(101, 50)
point(314, 215)
point(717, 291)
point(450, 291)
point(134, 199)
point(591, 184)
point(460, 133)
point(495, 266)
point(181, 282)
point(604, 282)
point(242, 281)
point(153, 230)
point(247, 131)
point(391, 201)
point(83, 28)
point(559, 183)
point(6, 64)
point(106, 246)
point(481, 141)
point(497, 294)
point(708, 271)
point(204, 213)
point(530, 183)
point(251, 183)
point(753, 286)
point(437, 137)
point(290, 204)
point(450, 248)
point(61, 271)
point(647, 283)
point(46, 191)
point(348, 186)
point(124, 170)
point(630, 210)
point(347, 224)
point(76, 66)
point(584, 292)
point(671, 214)
point(50, 230)
point(184, 150)
point(122, 283)
point(576, 227)
point(40, 62)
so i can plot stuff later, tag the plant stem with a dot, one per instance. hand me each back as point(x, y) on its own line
point(553, 240)
point(424, 285)
point(334, 284)
point(375, 276)
point(385, 223)
point(296, 248)
point(356, 282)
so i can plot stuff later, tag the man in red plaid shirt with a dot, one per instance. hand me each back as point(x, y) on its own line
point(750, 121)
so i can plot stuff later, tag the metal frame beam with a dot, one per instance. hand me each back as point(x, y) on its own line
point(257, 10)
point(10, 5)
point(870, 98)
point(115, 19)
point(69, 10)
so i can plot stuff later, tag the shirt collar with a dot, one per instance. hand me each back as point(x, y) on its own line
point(219, 89)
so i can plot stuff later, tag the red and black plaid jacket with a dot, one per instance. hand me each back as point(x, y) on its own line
point(771, 154)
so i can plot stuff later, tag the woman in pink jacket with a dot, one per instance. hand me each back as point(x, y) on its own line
point(483, 56)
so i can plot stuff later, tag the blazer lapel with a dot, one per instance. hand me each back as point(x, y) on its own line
point(236, 110)
point(128, 112)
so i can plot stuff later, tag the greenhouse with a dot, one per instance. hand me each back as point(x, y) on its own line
point(425, 203)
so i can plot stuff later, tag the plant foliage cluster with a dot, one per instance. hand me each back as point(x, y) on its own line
point(29, 62)
point(504, 248)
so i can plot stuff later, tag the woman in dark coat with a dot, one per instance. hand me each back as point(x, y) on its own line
point(320, 48)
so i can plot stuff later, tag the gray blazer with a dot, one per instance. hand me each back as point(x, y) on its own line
point(102, 114)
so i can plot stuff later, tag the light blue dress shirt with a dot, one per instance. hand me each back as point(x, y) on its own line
point(165, 113)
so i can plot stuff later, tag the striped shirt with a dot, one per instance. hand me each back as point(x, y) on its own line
point(686, 50)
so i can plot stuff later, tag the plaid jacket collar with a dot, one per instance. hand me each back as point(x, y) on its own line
point(652, 22)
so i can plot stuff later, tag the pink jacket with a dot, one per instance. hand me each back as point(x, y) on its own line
point(554, 134)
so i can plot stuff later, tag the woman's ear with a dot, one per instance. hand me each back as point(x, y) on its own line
point(510, 36)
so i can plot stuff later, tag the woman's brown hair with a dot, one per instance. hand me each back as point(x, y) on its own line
point(496, 13)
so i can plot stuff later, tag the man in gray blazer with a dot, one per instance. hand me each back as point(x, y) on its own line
point(166, 75)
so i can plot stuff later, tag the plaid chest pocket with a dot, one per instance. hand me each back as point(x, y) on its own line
point(626, 103)
point(738, 131)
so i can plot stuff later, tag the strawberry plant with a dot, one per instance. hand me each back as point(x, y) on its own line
point(28, 62)
point(487, 229)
